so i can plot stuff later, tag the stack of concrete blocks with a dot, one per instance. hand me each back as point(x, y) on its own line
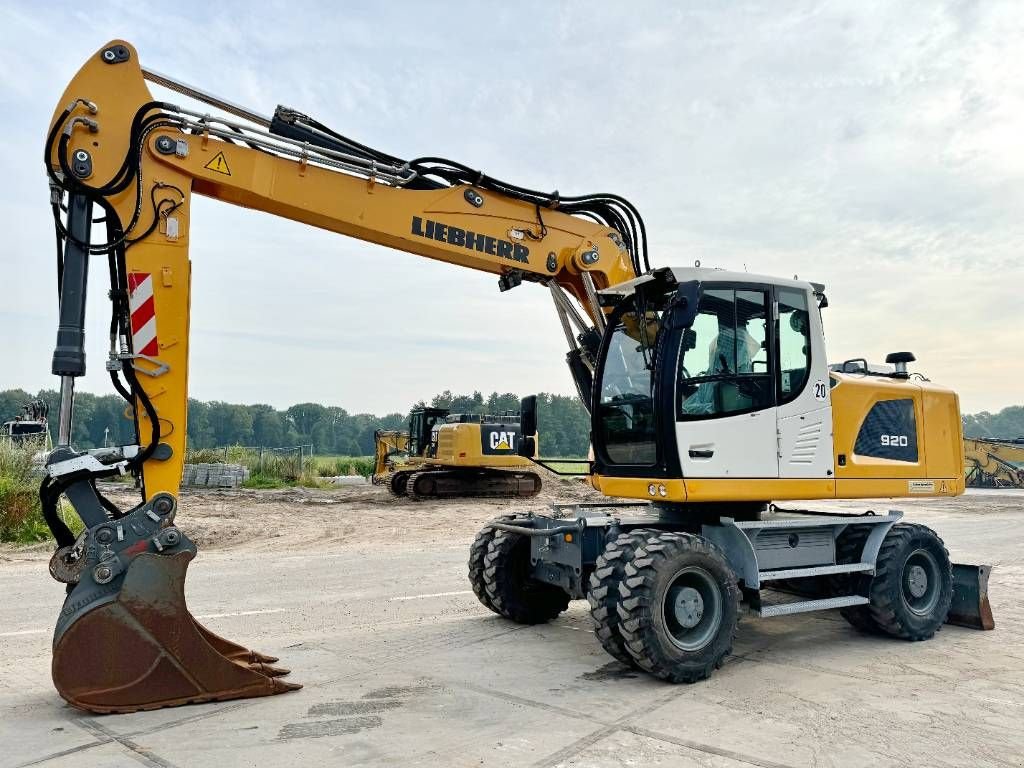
point(214, 475)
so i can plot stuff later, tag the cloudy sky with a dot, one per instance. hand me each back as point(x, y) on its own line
point(877, 147)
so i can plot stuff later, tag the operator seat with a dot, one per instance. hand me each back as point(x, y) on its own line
point(730, 347)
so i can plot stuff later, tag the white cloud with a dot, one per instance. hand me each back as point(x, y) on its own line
point(871, 146)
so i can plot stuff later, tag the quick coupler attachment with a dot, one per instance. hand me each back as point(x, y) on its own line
point(970, 606)
point(125, 640)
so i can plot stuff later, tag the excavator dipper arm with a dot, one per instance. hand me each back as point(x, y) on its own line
point(125, 640)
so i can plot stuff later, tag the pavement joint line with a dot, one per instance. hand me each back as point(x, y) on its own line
point(812, 668)
point(433, 594)
point(140, 754)
point(573, 749)
point(65, 752)
point(514, 699)
point(705, 748)
point(21, 632)
point(217, 708)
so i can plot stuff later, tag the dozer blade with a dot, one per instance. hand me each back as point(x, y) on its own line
point(125, 640)
point(971, 607)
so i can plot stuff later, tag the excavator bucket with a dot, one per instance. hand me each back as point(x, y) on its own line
point(970, 607)
point(125, 640)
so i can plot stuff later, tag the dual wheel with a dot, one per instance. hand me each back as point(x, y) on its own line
point(499, 572)
point(665, 602)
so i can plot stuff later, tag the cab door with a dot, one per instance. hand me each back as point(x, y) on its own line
point(725, 397)
point(804, 397)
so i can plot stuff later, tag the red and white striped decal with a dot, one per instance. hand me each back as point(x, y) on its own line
point(143, 312)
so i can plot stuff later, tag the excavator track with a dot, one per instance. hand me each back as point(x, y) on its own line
point(472, 483)
point(396, 482)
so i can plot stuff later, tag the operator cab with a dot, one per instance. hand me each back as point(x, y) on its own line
point(422, 423)
point(705, 373)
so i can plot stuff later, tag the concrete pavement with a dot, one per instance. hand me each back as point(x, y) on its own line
point(402, 666)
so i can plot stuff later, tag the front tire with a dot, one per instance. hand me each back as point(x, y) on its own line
point(679, 607)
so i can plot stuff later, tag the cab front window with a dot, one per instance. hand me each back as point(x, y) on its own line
point(625, 403)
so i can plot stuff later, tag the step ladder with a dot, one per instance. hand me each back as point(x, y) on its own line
point(796, 546)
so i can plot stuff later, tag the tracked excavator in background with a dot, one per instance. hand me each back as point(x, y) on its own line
point(446, 455)
point(29, 428)
point(994, 463)
point(709, 393)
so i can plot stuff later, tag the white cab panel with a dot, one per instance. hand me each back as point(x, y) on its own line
point(739, 446)
point(805, 444)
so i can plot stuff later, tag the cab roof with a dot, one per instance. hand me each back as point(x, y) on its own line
point(705, 275)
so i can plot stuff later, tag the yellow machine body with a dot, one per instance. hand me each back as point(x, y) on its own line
point(936, 473)
point(462, 445)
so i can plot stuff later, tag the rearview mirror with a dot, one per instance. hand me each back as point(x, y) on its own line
point(527, 424)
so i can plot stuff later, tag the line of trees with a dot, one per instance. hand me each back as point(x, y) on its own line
point(564, 423)
point(1007, 423)
point(101, 420)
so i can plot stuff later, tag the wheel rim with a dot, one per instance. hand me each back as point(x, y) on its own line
point(692, 608)
point(921, 581)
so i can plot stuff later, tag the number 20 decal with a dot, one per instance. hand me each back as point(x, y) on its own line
point(820, 390)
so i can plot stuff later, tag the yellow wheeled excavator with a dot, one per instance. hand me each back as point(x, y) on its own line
point(446, 455)
point(993, 462)
point(709, 394)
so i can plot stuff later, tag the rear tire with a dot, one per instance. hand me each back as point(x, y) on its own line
point(477, 554)
point(849, 549)
point(511, 590)
point(679, 607)
point(913, 584)
point(603, 595)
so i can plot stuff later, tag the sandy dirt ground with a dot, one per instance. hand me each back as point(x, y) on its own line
point(290, 519)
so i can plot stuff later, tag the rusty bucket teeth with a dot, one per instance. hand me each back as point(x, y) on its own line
point(138, 647)
point(231, 650)
point(269, 671)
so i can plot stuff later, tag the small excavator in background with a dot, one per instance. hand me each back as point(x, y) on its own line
point(29, 428)
point(709, 392)
point(444, 455)
point(992, 462)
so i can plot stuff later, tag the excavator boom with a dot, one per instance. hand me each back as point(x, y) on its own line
point(994, 463)
point(115, 150)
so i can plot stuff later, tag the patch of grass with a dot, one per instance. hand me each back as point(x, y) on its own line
point(330, 466)
point(264, 482)
point(21, 517)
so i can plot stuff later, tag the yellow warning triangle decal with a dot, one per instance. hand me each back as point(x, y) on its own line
point(502, 446)
point(219, 164)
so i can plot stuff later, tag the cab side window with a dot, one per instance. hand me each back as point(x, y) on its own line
point(723, 362)
point(794, 344)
